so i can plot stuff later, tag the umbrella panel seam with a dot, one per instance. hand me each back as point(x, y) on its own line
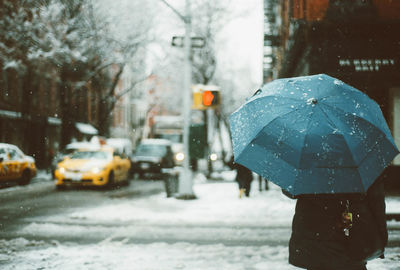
point(301, 152)
point(344, 137)
point(278, 97)
point(347, 143)
point(378, 128)
point(362, 119)
point(272, 120)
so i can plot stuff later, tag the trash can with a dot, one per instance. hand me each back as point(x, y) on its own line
point(171, 181)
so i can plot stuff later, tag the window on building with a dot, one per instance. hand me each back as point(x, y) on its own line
point(395, 94)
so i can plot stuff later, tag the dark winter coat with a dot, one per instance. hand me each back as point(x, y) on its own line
point(317, 240)
point(243, 174)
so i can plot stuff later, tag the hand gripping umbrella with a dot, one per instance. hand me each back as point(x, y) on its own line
point(312, 135)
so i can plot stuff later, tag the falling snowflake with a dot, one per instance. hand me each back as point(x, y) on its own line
point(338, 82)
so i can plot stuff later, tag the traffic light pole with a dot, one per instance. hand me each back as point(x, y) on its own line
point(186, 191)
point(186, 183)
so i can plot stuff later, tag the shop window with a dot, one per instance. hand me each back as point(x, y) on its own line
point(3, 85)
point(12, 85)
point(395, 94)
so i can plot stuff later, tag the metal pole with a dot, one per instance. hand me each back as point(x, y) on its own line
point(186, 189)
point(186, 180)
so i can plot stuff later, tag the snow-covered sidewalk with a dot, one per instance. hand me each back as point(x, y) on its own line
point(216, 231)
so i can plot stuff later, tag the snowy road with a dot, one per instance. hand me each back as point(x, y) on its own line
point(131, 229)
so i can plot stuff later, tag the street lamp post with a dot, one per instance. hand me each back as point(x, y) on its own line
point(186, 183)
point(187, 188)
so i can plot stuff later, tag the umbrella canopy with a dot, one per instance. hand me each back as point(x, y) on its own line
point(312, 135)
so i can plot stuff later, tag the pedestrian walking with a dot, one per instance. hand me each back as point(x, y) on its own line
point(244, 177)
point(331, 232)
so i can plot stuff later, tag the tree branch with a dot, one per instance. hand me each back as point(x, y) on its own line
point(130, 88)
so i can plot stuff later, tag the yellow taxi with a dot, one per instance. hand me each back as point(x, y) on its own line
point(15, 165)
point(95, 167)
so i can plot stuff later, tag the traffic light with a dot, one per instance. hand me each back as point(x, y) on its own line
point(210, 98)
point(206, 97)
point(197, 101)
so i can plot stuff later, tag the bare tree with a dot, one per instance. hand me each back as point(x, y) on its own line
point(128, 26)
point(208, 20)
point(83, 47)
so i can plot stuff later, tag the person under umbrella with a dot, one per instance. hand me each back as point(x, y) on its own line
point(326, 144)
point(338, 231)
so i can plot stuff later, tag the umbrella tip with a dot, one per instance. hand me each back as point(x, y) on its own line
point(257, 92)
point(312, 101)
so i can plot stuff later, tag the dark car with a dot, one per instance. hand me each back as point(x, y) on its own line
point(151, 156)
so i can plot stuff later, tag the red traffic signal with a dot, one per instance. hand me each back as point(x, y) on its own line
point(210, 98)
point(205, 97)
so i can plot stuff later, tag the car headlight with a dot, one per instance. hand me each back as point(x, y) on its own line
point(180, 156)
point(213, 157)
point(61, 169)
point(97, 169)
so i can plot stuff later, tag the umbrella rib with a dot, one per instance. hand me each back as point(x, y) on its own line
point(272, 120)
point(301, 153)
point(344, 137)
point(369, 152)
point(280, 97)
point(280, 116)
point(338, 95)
point(378, 129)
point(327, 116)
point(286, 115)
point(336, 108)
point(333, 123)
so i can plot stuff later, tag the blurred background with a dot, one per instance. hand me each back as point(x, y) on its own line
point(135, 96)
point(74, 70)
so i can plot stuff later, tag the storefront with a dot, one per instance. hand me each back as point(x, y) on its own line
point(37, 137)
point(366, 56)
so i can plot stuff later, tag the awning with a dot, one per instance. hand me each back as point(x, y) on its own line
point(18, 115)
point(10, 114)
point(54, 121)
point(86, 128)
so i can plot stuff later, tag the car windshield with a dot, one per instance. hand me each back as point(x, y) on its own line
point(90, 155)
point(176, 138)
point(151, 150)
point(3, 154)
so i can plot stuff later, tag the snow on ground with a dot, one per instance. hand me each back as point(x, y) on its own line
point(218, 215)
point(392, 204)
point(119, 255)
point(217, 203)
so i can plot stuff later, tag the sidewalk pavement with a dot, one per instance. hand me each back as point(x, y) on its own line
point(216, 231)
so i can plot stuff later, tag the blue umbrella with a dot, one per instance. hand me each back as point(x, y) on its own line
point(312, 135)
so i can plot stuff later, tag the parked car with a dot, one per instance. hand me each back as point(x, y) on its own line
point(15, 165)
point(95, 167)
point(152, 155)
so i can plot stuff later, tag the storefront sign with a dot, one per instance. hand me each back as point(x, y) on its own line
point(368, 64)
